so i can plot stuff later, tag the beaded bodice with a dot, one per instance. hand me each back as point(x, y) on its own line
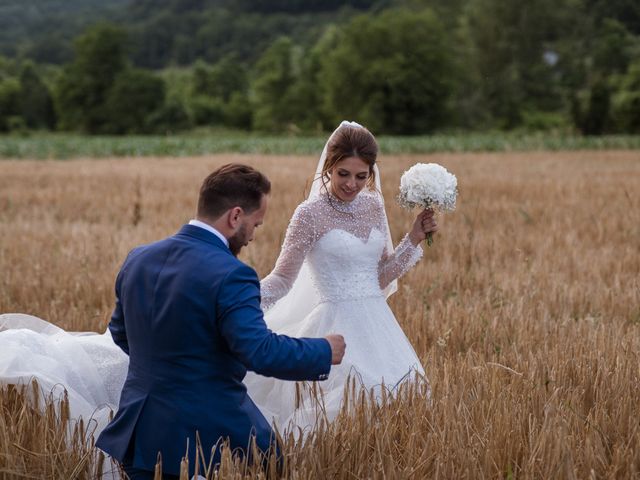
point(345, 247)
point(345, 267)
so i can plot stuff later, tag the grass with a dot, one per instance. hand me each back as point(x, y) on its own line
point(43, 443)
point(65, 146)
point(525, 312)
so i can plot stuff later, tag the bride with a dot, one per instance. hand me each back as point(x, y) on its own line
point(336, 268)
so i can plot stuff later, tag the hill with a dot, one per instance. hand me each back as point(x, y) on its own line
point(175, 32)
point(44, 30)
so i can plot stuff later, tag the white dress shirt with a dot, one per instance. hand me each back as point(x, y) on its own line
point(206, 226)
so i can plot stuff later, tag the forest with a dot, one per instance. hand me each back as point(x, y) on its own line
point(401, 67)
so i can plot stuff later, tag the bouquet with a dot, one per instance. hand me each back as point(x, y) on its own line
point(428, 185)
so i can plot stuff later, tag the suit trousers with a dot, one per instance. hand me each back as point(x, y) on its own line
point(137, 474)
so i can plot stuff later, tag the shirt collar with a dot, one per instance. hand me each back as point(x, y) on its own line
point(206, 226)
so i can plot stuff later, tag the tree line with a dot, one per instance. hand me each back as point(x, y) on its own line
point(414, 67)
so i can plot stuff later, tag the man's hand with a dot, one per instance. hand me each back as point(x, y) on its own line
point(337, 348)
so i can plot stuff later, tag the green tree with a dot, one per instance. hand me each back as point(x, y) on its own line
point(221, 80)
point(170, 118)
point(206, 110)
point(9, 102)
point(306, 95)
point(82, 91)
point(219, 94)
point(612, 49)
point(390, 72)
point(599, 58)
point(153, 40)
point(626, 101)
point(287, 86)
point(135, 95)
point(591, 108)
point(35, 100)
point(238, 111)
point(274, 78)
point(514, 57)
point(624, 11)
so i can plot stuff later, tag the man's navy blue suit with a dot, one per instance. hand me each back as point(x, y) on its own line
point(188, 315)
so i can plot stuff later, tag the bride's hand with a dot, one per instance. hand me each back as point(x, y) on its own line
point(425, 223)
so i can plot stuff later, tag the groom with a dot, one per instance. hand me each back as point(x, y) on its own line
point(188, 315)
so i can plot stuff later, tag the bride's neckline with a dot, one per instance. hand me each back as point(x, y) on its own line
point(341, 205)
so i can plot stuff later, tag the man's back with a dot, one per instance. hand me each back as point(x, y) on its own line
point(188, 313)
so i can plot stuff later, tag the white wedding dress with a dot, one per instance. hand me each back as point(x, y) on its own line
point(342, 249)
point(86, 368)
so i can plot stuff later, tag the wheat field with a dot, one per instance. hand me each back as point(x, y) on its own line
point(525, 312)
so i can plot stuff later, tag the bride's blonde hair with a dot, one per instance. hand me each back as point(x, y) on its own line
point(351, 141)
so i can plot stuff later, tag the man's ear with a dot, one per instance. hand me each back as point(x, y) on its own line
point(234, 217)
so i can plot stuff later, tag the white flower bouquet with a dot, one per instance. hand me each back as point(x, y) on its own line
point(428, 185)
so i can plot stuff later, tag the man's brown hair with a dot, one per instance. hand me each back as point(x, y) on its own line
point(232, 185)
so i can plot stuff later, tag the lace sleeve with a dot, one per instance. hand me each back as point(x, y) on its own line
point(298, 241)
point(398, 262)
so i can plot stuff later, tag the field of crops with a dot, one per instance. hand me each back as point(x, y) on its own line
point(525, 312)
point(64, 146)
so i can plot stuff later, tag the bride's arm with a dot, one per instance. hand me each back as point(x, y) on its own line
point(298, 241)
point(399, 261)
point(395, 264)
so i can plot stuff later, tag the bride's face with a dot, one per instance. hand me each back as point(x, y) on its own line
point(348, 177)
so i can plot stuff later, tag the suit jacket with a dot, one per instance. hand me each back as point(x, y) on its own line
point(188, 315)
